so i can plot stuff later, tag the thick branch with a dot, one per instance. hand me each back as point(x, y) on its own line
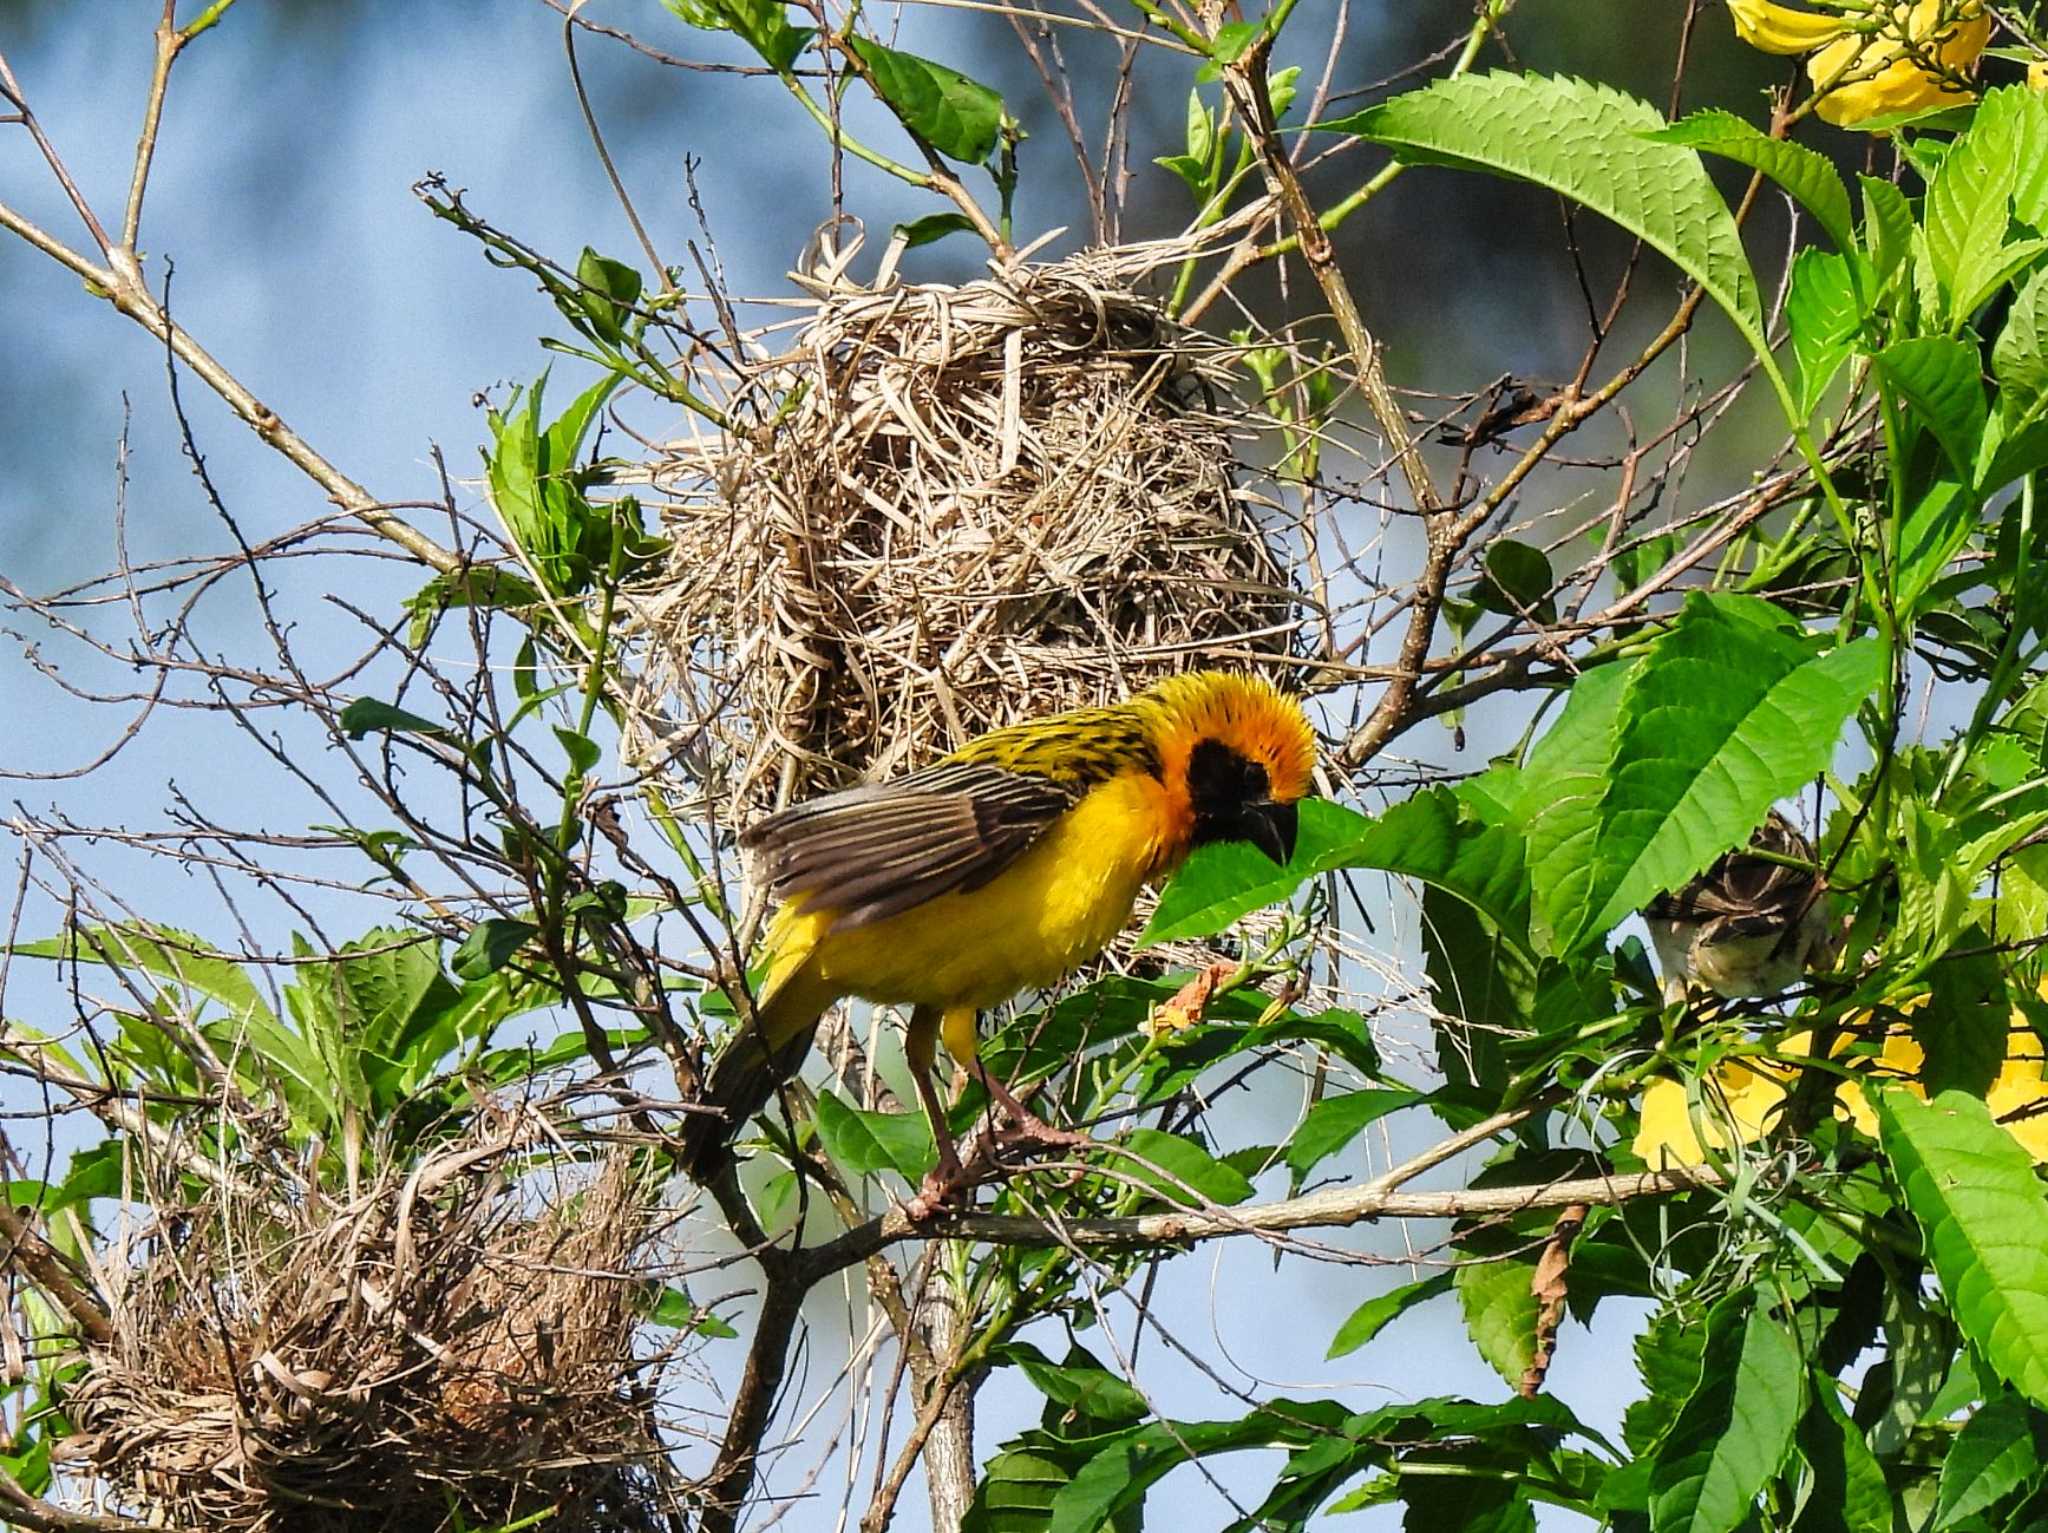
point(27, 1249)
point(25, 1511)
point(1333, 1208)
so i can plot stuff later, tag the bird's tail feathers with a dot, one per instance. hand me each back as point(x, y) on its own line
point(744, 1078)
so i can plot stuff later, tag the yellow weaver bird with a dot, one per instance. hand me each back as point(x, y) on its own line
point(996, 870)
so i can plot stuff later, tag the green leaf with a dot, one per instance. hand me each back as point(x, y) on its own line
point(932, 227)
point(1335, 1121)
point(1736, 1428)
point(582, 751)
point(391, 975)
point(1805, 174)
point(1226, 880)
point(1985, 1219)
point(1517, 581)
point(2019, 358)
point(1931, 534)
point(1500, 1313)
point(1231, 40)
point(2030, 191)
point(1824, 316)
point(1969, 204)
point(1179, 1170)
point(490, 945)
point(1477, 1502)
point(1586, 142)
point(959, 117)
point(1563, 784)
point(367, 715)
point(865, 1143)
point(1080, 1385)
point(1668, 1363)
point(606, 288)
point(1998, 1450)
point(1016, 1492)
point(537, 486)
point(1727, 714)
point(762, 24)
point(1887, 227)
point(1377, 1313)
point(1937, 376)
point(1849, 1493)
point(1119, 1476)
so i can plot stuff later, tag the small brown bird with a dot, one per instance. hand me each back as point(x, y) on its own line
point(1749, 927)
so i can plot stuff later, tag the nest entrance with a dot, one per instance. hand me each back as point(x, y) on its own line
point(425, 1359)
point(965, 505)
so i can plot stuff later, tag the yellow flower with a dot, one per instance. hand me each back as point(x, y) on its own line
point(2018, 1098)
point(1908, 61)
point(2037, 74)
point(1744, 1095)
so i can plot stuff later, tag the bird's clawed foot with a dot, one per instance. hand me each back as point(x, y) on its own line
point(1025, 1130)
point(940, 1190)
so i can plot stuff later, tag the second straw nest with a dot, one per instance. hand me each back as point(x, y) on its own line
point(957, 506)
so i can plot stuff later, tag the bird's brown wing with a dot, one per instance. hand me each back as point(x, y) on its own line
point(1745, 895)
point(878, 850)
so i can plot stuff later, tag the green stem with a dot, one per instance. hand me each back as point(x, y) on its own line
point(841, 139)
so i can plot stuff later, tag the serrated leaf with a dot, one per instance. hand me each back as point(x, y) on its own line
point(1998, 1450)
point(2019, 357)
point(1377, 1313)
point(1179, 1170)
point(1736, 1427)
point(1805, 174)
point(1969, 203)
point(1500, 1313)
point(865, 1143)
point(1229, 879)
point(1080, 1384)
point(1471, 1503)
point(1931, 534)
point(1725, 716)
point(1985, 1219)
point(1887, 227)
point(1563, 785)
point(489, 946)
point(959, 117)
point(1823, 315)
point(1937, 376)
point(1585, 141)
point(1120, 1475)
point(1849, 1493)
point(1335, 1121)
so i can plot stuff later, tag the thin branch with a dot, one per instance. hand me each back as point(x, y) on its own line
point(1333, 1208)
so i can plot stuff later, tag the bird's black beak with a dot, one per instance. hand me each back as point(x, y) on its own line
point(1271, 828)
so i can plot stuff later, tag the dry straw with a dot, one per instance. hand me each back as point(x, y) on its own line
point(452, 1348)
point(956, 506)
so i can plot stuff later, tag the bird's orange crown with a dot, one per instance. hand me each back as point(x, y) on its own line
point(1249, 715)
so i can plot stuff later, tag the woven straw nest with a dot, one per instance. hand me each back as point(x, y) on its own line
point(436, 1354)
point(961, 506)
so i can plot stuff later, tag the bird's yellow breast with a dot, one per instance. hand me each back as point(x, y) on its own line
point(1054, 908)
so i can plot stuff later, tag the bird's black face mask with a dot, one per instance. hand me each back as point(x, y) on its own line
point(1232, 802)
